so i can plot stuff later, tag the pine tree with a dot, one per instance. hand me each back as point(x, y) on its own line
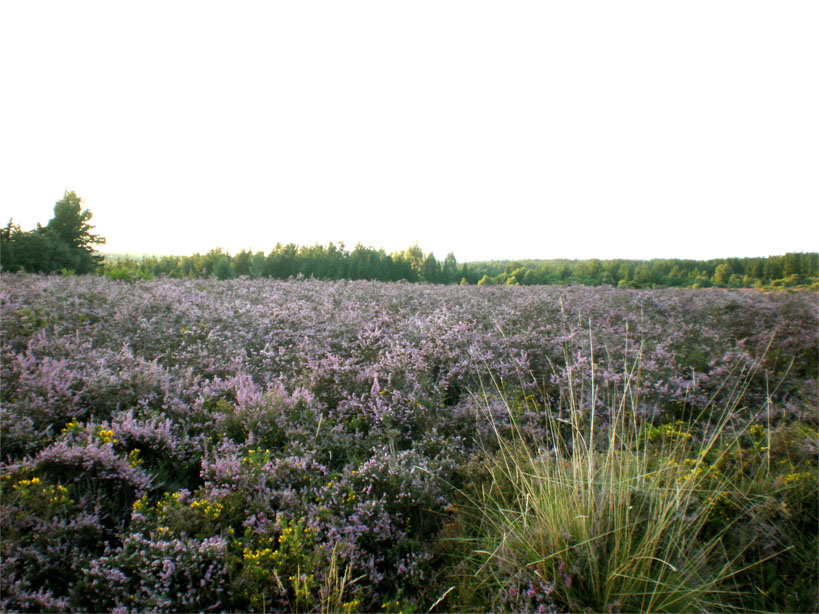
point(70, 227)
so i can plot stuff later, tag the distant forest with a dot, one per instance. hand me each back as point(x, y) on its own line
point(336, 262)
point(66, 245)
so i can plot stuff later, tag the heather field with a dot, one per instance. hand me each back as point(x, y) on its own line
point(303, 445)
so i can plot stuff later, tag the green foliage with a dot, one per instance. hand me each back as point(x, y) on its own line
point(722, 274)
point(65, 244)
point(123, 273)
point(793, 270)
point(413, 265)
point(70, 223)
point(283, 566)
point(430, 272)
point(285, 261)
point(223, 270)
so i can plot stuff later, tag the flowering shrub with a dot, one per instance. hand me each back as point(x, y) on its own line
point(47, 540)
point(162, 574)
point(268, 445)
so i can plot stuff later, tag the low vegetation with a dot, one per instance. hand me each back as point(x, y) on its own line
point(261, 445)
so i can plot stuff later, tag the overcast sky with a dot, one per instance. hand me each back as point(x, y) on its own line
point(491, 129)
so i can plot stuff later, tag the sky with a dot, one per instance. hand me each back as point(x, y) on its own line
point(494, 130)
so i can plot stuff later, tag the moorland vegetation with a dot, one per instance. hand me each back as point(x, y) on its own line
point(340, 446)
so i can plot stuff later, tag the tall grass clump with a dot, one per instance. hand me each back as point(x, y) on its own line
point(613, 516)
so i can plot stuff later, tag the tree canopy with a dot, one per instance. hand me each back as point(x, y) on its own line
point(64, 244)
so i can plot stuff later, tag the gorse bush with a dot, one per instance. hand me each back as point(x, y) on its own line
point(182, 445)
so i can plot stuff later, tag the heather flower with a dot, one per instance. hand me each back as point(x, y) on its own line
point(173, 423)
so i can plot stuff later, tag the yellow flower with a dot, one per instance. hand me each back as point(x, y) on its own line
point(796, 477)
point(27, 483)
point(133, 458)
point(106, 436)
point(71, 427)
point(140, 505)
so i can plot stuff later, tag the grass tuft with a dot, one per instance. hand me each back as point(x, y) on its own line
point(621, 516)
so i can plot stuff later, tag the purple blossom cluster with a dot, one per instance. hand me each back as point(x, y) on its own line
point(186, 444)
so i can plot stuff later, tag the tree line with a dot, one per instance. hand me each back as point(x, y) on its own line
point(66, 244)
point(413, 265)
point(788, 270)
point(290, 260)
